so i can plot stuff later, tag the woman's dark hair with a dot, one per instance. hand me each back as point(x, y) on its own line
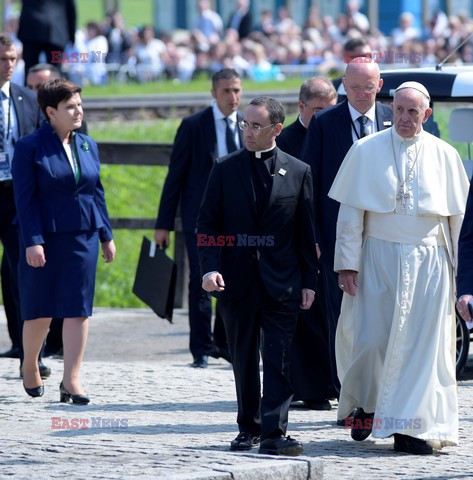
point(53, 92)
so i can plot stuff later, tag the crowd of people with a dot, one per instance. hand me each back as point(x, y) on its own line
point(261, 48)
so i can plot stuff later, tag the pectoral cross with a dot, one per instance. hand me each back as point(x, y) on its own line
point(403, 196)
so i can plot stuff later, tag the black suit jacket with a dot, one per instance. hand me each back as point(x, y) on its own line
point(286, 261)
point(28, 114)
point(193, 155)
point(465, 250)
point(291, 139)
point(328, 140)
point(48, 21)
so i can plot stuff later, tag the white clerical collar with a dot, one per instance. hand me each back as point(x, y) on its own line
point(259, 152)
point(408, 140)
point(218, 115)
point(371, 113)
point(6, 89)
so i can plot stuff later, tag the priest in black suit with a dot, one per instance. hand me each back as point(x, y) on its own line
point(311, 376)
point(257, 251)
point(329, 137)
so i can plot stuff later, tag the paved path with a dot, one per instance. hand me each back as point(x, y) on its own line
point(151, 416)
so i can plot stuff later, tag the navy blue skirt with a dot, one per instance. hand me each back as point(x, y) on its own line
point(65, 286)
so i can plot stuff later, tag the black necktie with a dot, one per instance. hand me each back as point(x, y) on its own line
point(363, 119)
point(230, 137)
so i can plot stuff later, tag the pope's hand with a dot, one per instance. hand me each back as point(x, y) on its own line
point(348, 281)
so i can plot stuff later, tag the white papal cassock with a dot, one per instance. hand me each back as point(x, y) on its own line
point(402, 204)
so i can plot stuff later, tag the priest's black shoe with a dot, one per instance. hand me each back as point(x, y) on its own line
point(407, 444)
point(281, 445)
point(319, 404)
point(244, 441)
point(362, 425)
point(200, 361)
point(34, 392)
point(66, 396)
point(14, 352)
point(44, 371)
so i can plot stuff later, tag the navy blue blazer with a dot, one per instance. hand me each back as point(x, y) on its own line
point(193, 155)
point(327, 141)
point(47, 197)
point(465, 250)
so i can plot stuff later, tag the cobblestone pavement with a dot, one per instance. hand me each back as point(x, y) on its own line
point(151, 416)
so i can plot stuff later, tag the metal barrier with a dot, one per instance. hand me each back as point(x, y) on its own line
point(162, 103)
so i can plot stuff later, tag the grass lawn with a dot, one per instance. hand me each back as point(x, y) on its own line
point(135, 12)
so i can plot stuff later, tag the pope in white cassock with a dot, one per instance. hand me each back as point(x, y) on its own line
point(402, 193)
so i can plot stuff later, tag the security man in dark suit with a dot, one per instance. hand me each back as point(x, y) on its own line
point(46, 26)
point(200, 140)
point(465, 262)
point(311, 376)
point(257, 251)
point(330, 136)
point(19, 116)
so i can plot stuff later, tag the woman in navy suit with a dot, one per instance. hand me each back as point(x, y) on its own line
point(62, 217)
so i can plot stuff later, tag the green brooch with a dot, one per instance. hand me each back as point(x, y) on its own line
point(85, 147)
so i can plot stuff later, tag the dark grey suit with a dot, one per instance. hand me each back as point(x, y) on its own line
point(28, 118)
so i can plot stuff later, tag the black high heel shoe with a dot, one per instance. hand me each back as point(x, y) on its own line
point(66, 396)
point(34, 392)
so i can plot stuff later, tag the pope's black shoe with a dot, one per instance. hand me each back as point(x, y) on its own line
point(281, 445)
point(200, 361)
point(362, 425)
point(345, 422)
point(244, 441)
point(407, 444)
